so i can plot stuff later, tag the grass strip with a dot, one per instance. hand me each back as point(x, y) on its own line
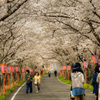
point(3, 96)
point(44, 74)
point(87, 86)
point(20, 83)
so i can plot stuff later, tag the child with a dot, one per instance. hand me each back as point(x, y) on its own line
point(37, 80)
point(77, 82)
point(28, 78)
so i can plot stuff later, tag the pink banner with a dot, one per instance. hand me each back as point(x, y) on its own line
point(95, 59)
point(86, 63)
point(12, 68)
point(36, 70)
point(8, 69)
point(69, 67)
point(64, 68)
point(23, 70)
point(17, 69)
point(3, 68)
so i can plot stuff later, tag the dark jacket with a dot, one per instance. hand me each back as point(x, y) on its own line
point(94, 83)
point(28, 76)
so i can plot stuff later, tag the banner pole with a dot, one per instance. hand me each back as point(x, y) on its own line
point(4, 83)
point(9, 81)
point(13, 78)
point(85, 74)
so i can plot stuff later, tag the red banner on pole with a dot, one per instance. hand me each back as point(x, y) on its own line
point(42, 68)
point(86, 63)
point(31, 70)
point(36, 70)
point(23, 70)
point(12, 68)
point(8, 69)
point(3, 68)
point(95, 59)
point(64, 68)
point(17, 69)
point(69, 67)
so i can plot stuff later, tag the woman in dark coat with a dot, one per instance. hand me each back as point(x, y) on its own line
point(94, 83)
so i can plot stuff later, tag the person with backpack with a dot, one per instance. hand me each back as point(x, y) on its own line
point(77, 82)
point(94, 82)
point(28, 78)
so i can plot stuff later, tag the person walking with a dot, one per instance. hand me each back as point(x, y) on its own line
point(28, 78)
point(77, 82)
point(94, 82)
point(55, 73)
point(49, 74)
point(37, 80)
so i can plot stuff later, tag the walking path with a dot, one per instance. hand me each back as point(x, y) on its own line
point(51, 89)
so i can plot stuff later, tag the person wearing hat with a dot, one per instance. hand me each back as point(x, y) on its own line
point(77, 82)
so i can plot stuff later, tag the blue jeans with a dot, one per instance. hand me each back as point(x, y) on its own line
point(29, 85)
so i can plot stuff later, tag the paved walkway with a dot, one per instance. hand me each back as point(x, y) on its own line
point(51, 89)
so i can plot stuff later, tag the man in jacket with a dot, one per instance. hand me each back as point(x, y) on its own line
point(28, 78)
